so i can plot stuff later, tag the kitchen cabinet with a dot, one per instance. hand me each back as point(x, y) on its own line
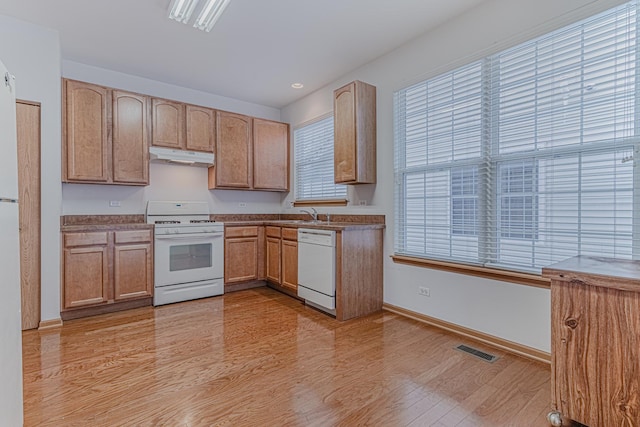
point(242, 253)
point(290, 259)
point(270, 155)
point(282, 257)
point(132, 264)
point(105, 137)
point(168, 128)
point(201, 128)
point(273, 252)
point(234, 155)
point(106, 270)
point(595, 341)
point(251, 154)
point(182, 126)
point(354, 112)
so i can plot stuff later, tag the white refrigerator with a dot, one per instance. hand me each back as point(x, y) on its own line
point(10, 318)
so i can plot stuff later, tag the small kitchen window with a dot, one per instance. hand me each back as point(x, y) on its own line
point(313, 150)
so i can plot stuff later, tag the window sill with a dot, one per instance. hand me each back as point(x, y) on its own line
point(319, 202)
point(487, 273)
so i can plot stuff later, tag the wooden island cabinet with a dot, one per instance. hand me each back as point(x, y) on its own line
point(595, 341)
point(107, 268)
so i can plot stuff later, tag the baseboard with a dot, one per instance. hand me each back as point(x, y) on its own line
point(235, 287)
point(510, 346)
point(50, 324)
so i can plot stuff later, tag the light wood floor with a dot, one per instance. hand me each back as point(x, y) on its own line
point(260, 358)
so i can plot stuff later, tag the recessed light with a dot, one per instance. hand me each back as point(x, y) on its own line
point(297, 85)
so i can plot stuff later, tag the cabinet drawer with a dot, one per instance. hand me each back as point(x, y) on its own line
point(85, 239)
point(133, 236)
point(290, 233)
point(241, 231)
point(273, 231)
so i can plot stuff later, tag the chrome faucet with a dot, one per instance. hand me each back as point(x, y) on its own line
point(313, 215)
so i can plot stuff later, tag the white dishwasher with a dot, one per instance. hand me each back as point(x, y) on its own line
point(317, 268)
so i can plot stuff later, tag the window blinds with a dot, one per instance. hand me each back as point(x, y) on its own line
point(313, 149)
point(526, 157)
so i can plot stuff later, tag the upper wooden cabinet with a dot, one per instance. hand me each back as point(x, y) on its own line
point(168, 123)
point(270, 155)
point(86, 145)
point(130, 138)
point(354, 109)
point(234, 153)
point(251, 154)
point(105, 135)
point(201, 128)
point(182, 126)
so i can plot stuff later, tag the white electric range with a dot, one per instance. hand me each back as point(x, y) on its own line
point(189, 251)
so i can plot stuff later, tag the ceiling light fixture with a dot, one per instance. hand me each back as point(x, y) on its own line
point(297, 85)
point(210, 14)
point(181, 11)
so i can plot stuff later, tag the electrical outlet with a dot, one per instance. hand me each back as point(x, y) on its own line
point(242, 205)
point(114, 203)
point(363, 203)
point(290, 204)
point(425, 292)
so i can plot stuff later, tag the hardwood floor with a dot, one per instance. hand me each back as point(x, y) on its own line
point(260, 358)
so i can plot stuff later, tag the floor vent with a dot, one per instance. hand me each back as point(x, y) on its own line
point(477, 353)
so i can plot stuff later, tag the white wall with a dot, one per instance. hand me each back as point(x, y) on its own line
point(513, 312)
point(32, 54)
point(167, 182)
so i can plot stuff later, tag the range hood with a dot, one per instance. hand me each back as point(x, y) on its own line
point(181, 157)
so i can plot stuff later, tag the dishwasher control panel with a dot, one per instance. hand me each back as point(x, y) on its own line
point(317, 237)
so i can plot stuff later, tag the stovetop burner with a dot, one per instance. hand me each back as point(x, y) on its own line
point(167, 222)
point(201, 221)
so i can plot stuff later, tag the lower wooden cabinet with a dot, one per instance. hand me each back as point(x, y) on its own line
point(102, 269)
point(241, 254)
point(595, 341)
point(282, 257)
point(290, 264)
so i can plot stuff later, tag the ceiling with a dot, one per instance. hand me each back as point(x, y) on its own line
point(254, 53)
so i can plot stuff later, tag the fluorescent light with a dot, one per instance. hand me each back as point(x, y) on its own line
point(181, 10)
point(210, 14)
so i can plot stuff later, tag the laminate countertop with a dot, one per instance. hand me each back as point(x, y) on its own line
point(320, 225)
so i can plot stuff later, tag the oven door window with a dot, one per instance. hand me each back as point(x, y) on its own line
point(190, 257)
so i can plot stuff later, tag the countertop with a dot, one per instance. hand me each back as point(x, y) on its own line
point(321, 225)
point(602, 272)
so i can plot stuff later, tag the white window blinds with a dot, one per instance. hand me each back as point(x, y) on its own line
point(313, 150)
point(526, 157)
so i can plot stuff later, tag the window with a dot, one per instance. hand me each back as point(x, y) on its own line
point(525, 157)
point(313, 149)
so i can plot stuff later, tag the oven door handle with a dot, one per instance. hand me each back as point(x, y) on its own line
point(195, 236)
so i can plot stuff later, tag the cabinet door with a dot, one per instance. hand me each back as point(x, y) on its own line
point(86, 276)
point(233, 151)
point(345, 134)
point(130, 138)
point(132, 271)
point(270, 155)
point(355, 134)
point(201, 134)
point(168, 123)
point(273, 259)
point(290, 264)
point(86, 128)
point(240, 259)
